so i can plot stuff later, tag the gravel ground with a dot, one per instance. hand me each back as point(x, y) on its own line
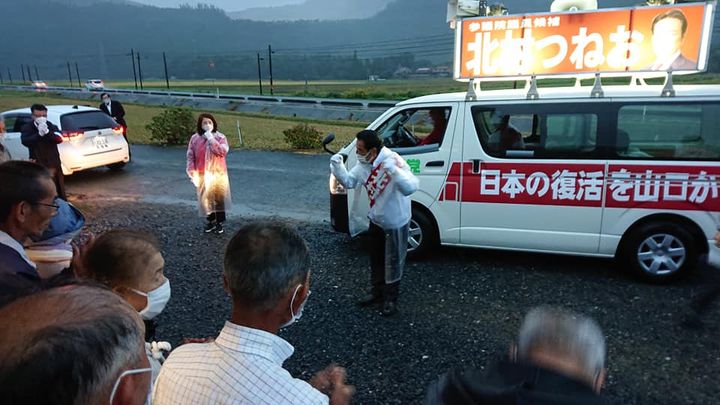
point(460, 307)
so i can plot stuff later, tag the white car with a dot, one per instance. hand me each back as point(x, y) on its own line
point(95, 84)
point(91, 138)
point(39, 84)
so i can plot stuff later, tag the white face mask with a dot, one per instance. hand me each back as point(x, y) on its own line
point(296, 317)
point(207, 127)
point(107, 101)
point(156, 300)
point(41, 120)
point(363, 159)
point(128, 373)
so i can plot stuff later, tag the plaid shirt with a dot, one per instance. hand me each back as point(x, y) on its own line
point(242, 366)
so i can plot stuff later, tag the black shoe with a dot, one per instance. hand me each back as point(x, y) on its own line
point(389, 308)
point(219, 229)
point(369, 300)
point(209, 227)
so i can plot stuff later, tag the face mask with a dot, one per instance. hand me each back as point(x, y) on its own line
point(107, 101)
point(207, 127)
point(156, 300)
point(295, 317)
point(41, 120)
point(364, 159)
point(127, 373)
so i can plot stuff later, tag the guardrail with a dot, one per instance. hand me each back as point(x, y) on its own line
point(329, 102)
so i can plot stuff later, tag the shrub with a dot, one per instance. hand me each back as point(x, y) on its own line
point(172, 127)
point(303, 136)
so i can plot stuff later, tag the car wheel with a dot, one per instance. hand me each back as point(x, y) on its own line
point(660, 251)
point(117, 166)
point(423, 235)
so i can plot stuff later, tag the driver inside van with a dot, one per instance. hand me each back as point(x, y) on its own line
point(437, 116)
point(504, 136)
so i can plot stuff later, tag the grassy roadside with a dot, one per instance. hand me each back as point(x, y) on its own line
point(258, 131)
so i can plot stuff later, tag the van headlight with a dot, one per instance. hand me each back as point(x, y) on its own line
point(335, 187)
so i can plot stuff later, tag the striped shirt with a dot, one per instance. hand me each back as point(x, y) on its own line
point(242, 366)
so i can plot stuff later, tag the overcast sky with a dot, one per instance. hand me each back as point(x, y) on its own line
point(227, 5)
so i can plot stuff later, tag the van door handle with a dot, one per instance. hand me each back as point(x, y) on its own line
point(475, 166)
point(435, 163)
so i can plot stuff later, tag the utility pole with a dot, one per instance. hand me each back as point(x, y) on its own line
point(22, 71)
point(37, 73)
point(9, 75)
point(1, 79)
point(77, 71)
point(259, 72)
point(139, 70)
point(167, 80)
point(270, 52)
point(132, 59)
point(69, 74)
point(28, 72)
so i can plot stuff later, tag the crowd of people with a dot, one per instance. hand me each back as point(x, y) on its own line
point(86, 334)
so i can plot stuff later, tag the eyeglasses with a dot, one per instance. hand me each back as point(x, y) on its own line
point(54, 206)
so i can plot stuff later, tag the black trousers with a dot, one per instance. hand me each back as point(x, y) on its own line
point(389, 292)
point(218, 217)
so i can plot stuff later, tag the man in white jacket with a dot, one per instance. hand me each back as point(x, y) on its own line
point(389, 183)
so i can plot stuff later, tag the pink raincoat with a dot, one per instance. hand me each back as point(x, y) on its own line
point(207, 170)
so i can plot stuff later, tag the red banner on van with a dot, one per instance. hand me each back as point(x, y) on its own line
point(640, 39)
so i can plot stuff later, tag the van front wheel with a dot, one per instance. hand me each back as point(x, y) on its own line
point(660, 251)
point(423, 235)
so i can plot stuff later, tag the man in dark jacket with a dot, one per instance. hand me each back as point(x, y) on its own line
point(27, 204)
point(116, 111)
point(41, 137)
point(559, 359)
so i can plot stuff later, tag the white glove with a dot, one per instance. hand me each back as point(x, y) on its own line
point(43, 129)
point(195, 178)
point(390, 165)
point(208, 135)
point(336, 159)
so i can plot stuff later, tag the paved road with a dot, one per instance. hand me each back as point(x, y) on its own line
point(263, 183)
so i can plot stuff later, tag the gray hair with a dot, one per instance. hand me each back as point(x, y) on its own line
point(563, 332)
point(262, 261)
point(72, 341)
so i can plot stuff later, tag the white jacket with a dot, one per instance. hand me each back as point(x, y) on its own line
point(389, 187)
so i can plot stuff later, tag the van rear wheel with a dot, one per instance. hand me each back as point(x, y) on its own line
point(423, 235)
point(659, 251)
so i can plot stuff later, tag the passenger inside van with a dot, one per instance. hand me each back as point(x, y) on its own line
point(437, 116)
point(623, 146)
point(504, 136)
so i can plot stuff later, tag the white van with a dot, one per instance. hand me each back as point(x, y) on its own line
point(631, 174)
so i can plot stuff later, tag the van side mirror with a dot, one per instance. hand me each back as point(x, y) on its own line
point(329, 138)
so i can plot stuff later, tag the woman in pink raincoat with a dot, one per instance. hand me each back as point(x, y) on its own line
point(208, 172)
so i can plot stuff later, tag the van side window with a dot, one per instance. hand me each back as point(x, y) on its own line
point(669, 131)
point(416, 127)
point(544, 135)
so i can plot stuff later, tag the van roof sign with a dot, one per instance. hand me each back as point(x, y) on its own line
point(622, 40)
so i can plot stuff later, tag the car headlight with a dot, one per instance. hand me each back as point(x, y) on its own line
point(335, 187)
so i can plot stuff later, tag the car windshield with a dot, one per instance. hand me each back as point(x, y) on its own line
point(86, 120)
